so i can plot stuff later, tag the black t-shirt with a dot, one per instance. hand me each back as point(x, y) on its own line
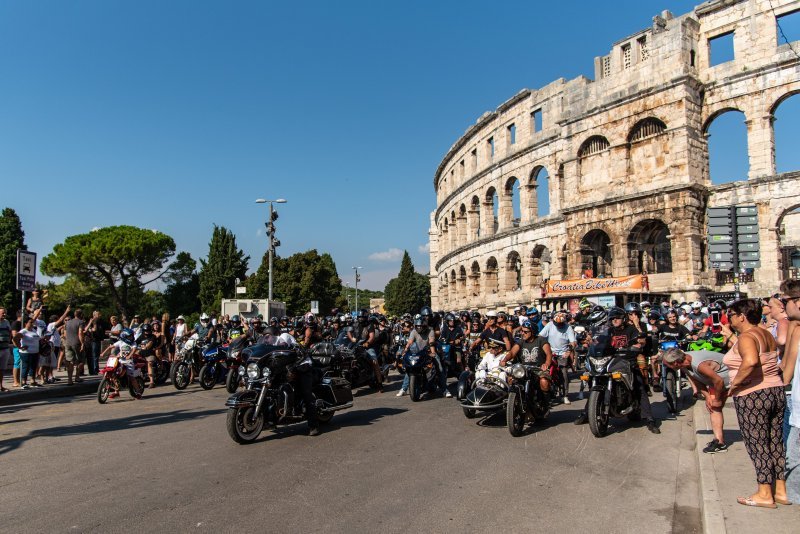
point(363, 333)
point(145, 348)
point(620, 338)
point(449, 336)
point(235, 332)
point(500, 334)
point(99, 333)
point(532, 352)
point(672, 333)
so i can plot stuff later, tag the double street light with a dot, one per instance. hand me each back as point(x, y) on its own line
point(270, 224)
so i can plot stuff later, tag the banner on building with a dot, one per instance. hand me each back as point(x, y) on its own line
point(594, 286)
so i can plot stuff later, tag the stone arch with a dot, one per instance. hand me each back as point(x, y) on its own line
point(788, 230)
point(461, 286)
point(475, 217)
point(475, 279)
point(649, 248)
point(784, 134)
point(451, 288)
point(646, 128)
point(513, 272)
point(646, 147)
point(510, 208)
point(463, 226)
point(727, 152)
point(541, 263)
point(540, 197)
point(594, 162)
point(445, 234)
point(596, 255)
point(453, 230)
point(490, 211)
point(490, 278)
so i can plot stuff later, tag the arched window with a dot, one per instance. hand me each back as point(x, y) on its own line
point(490, 276)
point(513, 272)
point(541, 180)
point(593, 145)
point(649, 248)
point(645, 128)
point(727, 147)
point(491, 199)
point(512, 191)
point(596, 254)
point(476, 212)
point(786, 132)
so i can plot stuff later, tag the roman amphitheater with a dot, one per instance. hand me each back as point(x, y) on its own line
point(590, 184)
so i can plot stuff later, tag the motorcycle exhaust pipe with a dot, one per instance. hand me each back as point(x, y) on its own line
point(335, 408)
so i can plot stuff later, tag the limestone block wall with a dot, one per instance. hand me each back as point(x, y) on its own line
point(625, 158)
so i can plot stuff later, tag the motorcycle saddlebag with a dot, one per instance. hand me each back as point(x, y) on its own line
point(335, 390)
point(322, 354)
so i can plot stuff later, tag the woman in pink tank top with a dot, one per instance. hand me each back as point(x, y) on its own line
point(757, 390)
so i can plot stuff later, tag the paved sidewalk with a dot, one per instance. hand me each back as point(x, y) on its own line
point(725, 476)
point(59, 389)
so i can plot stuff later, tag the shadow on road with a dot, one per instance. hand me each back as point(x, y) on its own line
point(340, 420)
point(107, 425)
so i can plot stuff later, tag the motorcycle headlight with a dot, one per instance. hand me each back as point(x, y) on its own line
point(413, 360)
point(266, 372)
point(600, 363)
point(252, 371)
point(518, 371)
point(242, 371)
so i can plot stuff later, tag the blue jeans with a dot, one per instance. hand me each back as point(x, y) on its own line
point(93, 357)
point(443, 362)
point(793, 465)
point(28, 363)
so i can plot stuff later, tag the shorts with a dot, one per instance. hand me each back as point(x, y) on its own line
point(541, 373)
point(74, 354)
point(150, 359)
point(17, 361)
point(5, 359)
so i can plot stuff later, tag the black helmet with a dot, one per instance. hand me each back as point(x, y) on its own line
point(299, 323)
point(146, 328)
point(633, 307)
point(449, 317)
point(533, 327)
point(236, 319)
point(272, 331)
point(654, 315)
point(616, 313)
point(598, 315)
point(426, 311)
point(373, 319)
point(284, 319)
point(721, 304)
point(363, 314)
point(476, 317)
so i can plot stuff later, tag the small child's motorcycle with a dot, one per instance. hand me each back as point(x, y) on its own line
point(121, 372)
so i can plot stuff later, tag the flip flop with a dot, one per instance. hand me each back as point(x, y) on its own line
point(784, 502)
point(747, 501)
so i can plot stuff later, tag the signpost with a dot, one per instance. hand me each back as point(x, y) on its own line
point(26, 275)
point(733, 243)
point(315, 307)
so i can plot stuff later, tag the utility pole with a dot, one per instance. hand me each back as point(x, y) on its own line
point(358, 279)
point(273, 242)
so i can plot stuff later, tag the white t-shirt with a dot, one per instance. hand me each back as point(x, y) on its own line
point(55, 337)
point(29, 342)
point(180, 330)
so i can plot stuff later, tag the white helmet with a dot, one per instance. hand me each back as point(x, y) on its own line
point(204, 317)
point(696, 305)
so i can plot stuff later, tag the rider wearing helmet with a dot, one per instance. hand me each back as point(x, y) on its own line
point(205, 331)
point(422, 338)
point(312, 333)
point(493, 331)
point(283, 324)
point(697, 315)
point(236, 329)
point(427, 315)
point(561, 337)
point(145, 347)
point(364, 335)
point(535, 350)
point(451, 334)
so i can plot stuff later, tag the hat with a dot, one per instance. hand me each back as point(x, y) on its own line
point(491, 313)
point(181, 318)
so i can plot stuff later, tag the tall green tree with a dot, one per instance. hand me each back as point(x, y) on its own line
point(11, 238)
point(298, 280)
point(121, 260)
point(183, 286)
point(409, 291)
point(218, 273)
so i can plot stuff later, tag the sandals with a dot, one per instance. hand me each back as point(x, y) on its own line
point(748, 501)
point(784, 502)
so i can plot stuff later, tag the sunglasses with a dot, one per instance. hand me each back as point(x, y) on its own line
point(785, 300)
point(525, 331)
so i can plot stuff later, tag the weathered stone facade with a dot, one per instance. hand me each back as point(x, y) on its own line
point(624, 161)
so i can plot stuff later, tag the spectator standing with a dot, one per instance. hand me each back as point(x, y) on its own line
point(16, 326)
point(757, 390)
point(114, 331)
point(73, 349)
point(53, 331)
point(791, 379)
point(5, 346)
point(166, 331)
point(95, 332)
point(27, 341)
point(35, 302)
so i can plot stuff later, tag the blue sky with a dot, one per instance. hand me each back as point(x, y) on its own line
point(178, 115)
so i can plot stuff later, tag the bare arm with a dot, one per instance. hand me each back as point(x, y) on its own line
point(790, 356)
point(748, 350)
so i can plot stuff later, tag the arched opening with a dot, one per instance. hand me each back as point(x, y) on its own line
point(540, 180)
point(789, 243)
point(475, 210)
point(451, 291)
point(445, 241)
point(647, 145)
point(786, 131)
point(475, 278)
point(726, 135)
point(540, 265)
point(461, 287)
point(492, 205)
point(490, 276)
point(453, 231)
point(513, 195)
point(594, 161)
point(513, 272)
point(596, 255)
point(649, 248)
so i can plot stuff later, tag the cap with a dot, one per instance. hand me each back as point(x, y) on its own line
point(181, 318)
point(491, 313)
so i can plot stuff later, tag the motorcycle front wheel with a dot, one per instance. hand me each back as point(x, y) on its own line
point(136, 387)
point(515, 416)
point(414, 387)
point(181, 374)
point(232, 380)
point(163, 372)
point(103, 391)
point(207, 377)
point(598, 421)
point(242, 427)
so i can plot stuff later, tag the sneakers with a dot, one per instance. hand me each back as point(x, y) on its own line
point(651, 426)
point(580, 395)
point(715, 446)
point(24, 386)
point(447, 394)
point(566, 400)
point(313, 432)
point(401, 393)
point(582, 419)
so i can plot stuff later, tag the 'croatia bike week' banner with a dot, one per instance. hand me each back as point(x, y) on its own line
point(593, 286)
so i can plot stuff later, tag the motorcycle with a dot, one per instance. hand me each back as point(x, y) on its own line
point(357, 366)
point(423, 374)
point(488, 394)
point(611, 386)
point(527, 403)
point(270, 397)
point(187, 363)
point(215, 368)
point(118, 374)
point(234, 362)
point(671, 378)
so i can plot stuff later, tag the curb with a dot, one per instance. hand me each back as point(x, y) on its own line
point(48, 392)
point(710, 505)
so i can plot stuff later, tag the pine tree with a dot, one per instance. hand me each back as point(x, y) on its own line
point(11, 238)
point(409, 292)
point(218, 274)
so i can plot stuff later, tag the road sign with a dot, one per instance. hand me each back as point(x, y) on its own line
point(733, 238)
point(26, 270)
point(241, 290)
point(315, 307)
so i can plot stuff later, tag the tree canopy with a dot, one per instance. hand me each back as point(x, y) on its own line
point(218, 274)
point(409, 291)
point(11, 238)
point(181, 296)
point(120, 260)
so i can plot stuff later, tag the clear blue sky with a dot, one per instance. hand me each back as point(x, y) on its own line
point(177, 115)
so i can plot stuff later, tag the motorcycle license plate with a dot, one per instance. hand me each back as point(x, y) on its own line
point(111, 362)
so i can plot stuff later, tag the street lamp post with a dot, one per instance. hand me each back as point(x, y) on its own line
point(270, 224)
point(358, 278)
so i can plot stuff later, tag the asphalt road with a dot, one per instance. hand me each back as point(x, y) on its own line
point(166, 463)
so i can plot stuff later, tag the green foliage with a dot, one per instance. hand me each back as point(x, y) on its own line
point(11, 238)
point(218, 274)
point(409, 291)
point(183, 286)
point(349, 295)
point(298, 280)
point(115, 258)
point(87, 295)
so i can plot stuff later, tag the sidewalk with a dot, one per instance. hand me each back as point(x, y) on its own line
point(59, 389)
point(723, 477)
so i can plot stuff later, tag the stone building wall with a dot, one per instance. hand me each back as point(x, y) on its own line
point(624, 161)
